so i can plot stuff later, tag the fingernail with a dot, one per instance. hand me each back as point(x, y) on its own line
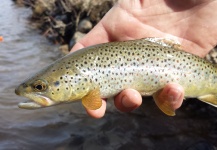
point(126, 103)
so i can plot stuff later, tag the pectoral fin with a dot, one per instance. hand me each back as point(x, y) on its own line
point(163, 104)
point(210, 99)
point(92, 100)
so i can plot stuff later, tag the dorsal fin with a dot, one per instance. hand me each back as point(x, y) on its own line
point(165, 42)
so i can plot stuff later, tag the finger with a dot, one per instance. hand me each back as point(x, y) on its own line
point(96, 36)
point(99, 113)
point(128, 100)
point(173, 93)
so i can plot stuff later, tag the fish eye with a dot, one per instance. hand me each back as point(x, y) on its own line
point(39, 85)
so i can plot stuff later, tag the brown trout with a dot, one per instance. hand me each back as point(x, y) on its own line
point(104, 70)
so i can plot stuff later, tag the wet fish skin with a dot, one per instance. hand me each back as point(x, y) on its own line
point(104, 70)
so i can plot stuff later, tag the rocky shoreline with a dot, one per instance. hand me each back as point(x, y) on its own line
point(65, 22)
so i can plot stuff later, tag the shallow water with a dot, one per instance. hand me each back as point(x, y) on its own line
point(65, 127)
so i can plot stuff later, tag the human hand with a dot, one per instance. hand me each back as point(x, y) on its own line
point(187, 21)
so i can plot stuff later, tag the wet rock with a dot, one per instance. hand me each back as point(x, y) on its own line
point(63, 18)
point(77, 36)
point(64, 49)
point(85, 25)
point(99, 9)
point(41, 6)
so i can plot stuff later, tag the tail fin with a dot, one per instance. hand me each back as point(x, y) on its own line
point(209, 99)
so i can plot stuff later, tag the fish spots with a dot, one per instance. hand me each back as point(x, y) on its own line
point(57, 83)
point(138, 64)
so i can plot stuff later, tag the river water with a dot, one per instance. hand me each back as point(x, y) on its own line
point(67, 127)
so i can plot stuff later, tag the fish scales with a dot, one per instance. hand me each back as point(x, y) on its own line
point(145, 65)
point(140, 65)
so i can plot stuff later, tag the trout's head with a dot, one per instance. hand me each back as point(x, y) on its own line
point(37, 91)
point(52, 87)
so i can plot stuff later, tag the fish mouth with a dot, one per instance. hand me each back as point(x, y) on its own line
point(36, 101)
point(29, 105)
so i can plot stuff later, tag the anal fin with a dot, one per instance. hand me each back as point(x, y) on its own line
point(92, 100)
point(210, 99)
point(163, 104)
